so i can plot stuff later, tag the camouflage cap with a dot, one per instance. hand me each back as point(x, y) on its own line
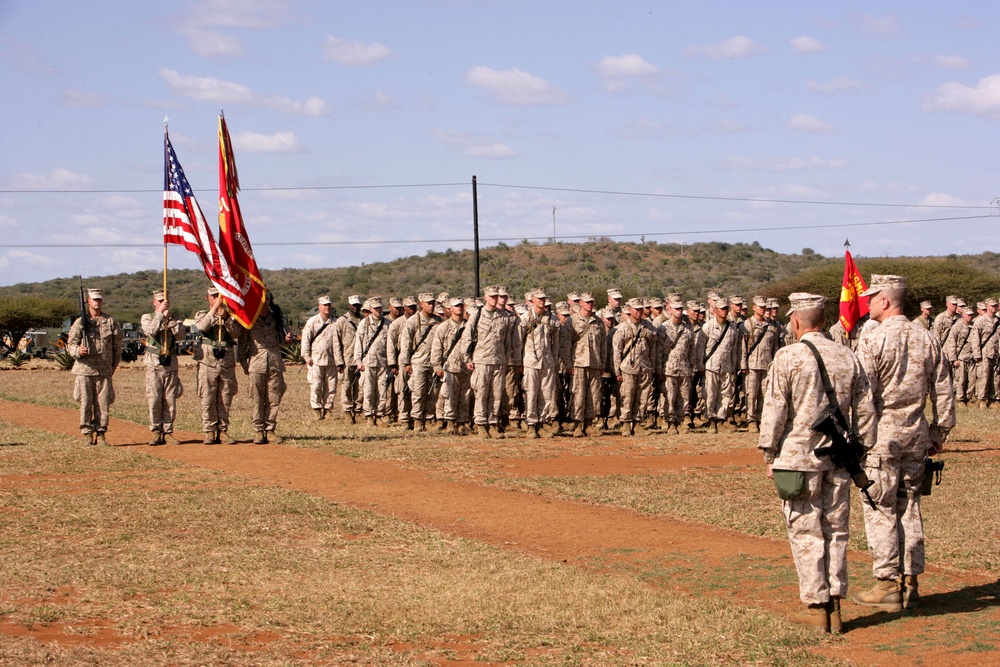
point(520, 308)
point(375, 302)
point(324, 301)
point(713, 296)
point(882, 282)
point(492, 290)
point(354, 299)
point(656, 302)
point(951, 298)
point(95, 294)
point(409, 301)
point(675, 295)
point(675, 303)
point(502, 290)
point(212, 290)
point(426, 297)
point(759, 300)
point(574, 296)
point(991, 301)
point(614, 293)
point(439, 308)
point(456, 301)
point(527, 295)
point(443, 297)
point(395, 302)
point(961, 302)
point(692, 305)
point(562, 308)
point(773, 303)
point(539, 293)
point(981, 305)
point(159, 295)
point(479, 302)
point(548, 302)
point(587, 296)
point(365, 307)
point(926, 304)
point(806, 301)
point(606, 314)
point(702, 307)
point(635, 302)
point(736, 300)
point(968, 311)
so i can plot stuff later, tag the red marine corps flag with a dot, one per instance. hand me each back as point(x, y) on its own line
point(852, 305)
point(233, 237)
point(184, 224)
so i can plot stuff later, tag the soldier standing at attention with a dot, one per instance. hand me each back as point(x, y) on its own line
point(512, 402)
point(635, 352)
point(985, 349)
point(446, 360)
point(261, 360)
point(540, 331)
point(924, 318)
point(795, 400)
point(615, 304)
point(317, 350)
point(587, 360)
point(723, 360)
point(944, 320)
point(343, 355)
point(216, 357)
point(678, 360)
point(163, 386)
point(760, 342)
point(484, 346)
point(373, 365)
point(399, 386)
point(696, 398)
point(958, 352)
point(96, 346)
point(904, 367)
point(415, 358)
point(397, 314)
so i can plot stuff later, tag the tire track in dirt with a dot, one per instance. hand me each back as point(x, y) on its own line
point(577, 533)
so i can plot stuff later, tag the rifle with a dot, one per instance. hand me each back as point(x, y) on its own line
point(84, 314)
point(845, 454)
point(608, 385)
point(566, 382)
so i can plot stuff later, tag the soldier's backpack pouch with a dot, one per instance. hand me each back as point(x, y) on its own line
point(790, 483)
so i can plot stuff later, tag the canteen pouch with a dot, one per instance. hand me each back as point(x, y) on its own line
point(789, 483)
point(932, 475)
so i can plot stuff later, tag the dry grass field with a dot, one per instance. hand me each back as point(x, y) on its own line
point(382, 547)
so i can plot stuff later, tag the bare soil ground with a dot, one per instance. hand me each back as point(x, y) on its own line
point(959, 606)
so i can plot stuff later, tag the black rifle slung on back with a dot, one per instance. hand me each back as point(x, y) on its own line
point(846, 454)
point(84, 313)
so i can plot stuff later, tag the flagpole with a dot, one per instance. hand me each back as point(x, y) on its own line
point(163, 348)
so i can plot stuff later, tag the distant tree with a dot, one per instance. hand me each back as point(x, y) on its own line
point(21, 314)
point(808, 251)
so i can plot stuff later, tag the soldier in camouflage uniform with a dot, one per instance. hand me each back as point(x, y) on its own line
point(958, 352)
point(588, 345)
point(760, 343)
point(260, 351)
point(317, 350)
point(396, 314)
point(723, 361)
point(985, 343)
point(344, 331)
point(944, 320)
point(696, 399)
point(400, 388)
point(512, 400)
point(97, 351)
point(615, 304)
point(678, 359)
point(924, 318)
point(372, 363)
point(635, 346)
point(216, 358)
point(794, 401)
point(904, 367)
point(163, 386)
point(415, 358)
point(485, 346)
point(448, 365)
point(539, 332)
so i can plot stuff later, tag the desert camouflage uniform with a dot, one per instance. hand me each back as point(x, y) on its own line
point(795, 400)
point(942, 324)
point(344, 333)
point(678, 362)
point(540, 336)
point(923, 320)
point(635, 349)
point(446, 356)
point(490, 357)
point(322, 374)
point(263, 362)
point(415, 351)
point(985, 348)
point(720, 369)
point(399, 400)
point(696, 399)
point(94, 388)
point(216, 377)
point(370, 352)
point(163, 386)
point(904, 367)
point(512, 401)
point(958, 351)
point(760, 343)
point(589, 343)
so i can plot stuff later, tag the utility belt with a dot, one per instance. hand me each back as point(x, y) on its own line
point(220, 348)
point(164, 359)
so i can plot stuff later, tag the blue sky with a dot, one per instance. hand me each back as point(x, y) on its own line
point(710, 112)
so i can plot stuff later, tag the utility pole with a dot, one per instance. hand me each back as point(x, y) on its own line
point(475, 230)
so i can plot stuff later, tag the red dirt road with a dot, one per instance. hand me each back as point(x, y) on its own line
point(573, 532)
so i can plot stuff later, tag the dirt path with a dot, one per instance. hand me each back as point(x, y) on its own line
point(578, 533)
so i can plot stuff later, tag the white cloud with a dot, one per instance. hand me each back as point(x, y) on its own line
point(807, 123)
point(836, 86)
point(218, 91)
point(888, 26)
point(626, 65)
point(279, 142)
point(57, 179)
point(945, 199)
point(740, 46)
point(514, 86)
point(7, 222)
point(257, 14)
point(783, 163)
point(472, 146)
point(22, 258)
point(951, 62)
point(214, 44)
point(354, 53)
point(983, 100)
point(78, 99)
point(807, 44)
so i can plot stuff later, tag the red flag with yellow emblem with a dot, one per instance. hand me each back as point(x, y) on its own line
point(233, 239)
point(852, 305)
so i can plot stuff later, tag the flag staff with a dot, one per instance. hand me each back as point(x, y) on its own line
point(163, 347)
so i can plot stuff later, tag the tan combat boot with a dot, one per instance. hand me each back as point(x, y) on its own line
point(483, 431)
point(911, 595)
point(89, 439)
point(813, 616)
point(833, 610)
point(156, 440)
point(886, 594)
point(453, 429)
point(754, 427)
point(101, 440)
point(171, 439)
point(225, 438)
point(578, 430)
point(626, 429)
point(210, 437)
point(274, 438)
point(319, 413)
point(713, 426)
point(533, 431)
point(260, 438)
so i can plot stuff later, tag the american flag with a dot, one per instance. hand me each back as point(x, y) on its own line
point(184, 224)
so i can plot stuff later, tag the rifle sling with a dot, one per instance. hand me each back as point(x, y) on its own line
point(717, 343)
point(633, 342)
point(831, 394)
point(371, 341)
point(760, 337)
point(454, 342)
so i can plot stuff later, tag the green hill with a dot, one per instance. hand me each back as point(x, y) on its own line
point(638, 269)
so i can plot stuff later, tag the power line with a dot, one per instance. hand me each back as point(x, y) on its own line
point(499, 239)
point(260, 189)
